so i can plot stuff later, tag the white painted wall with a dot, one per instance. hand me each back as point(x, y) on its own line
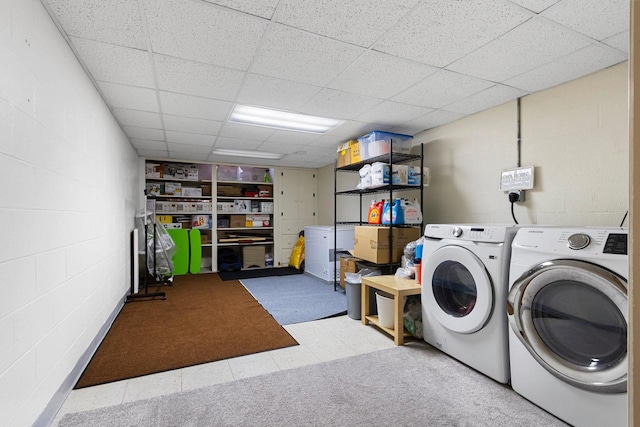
point(70, 180)
point(577, 137)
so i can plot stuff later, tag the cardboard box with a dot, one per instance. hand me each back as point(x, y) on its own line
point(224, 207)
point(229, 191)
point(347, 265)
point(237, 221)
point(192, 192)
point(200, 221)
point(242, 206)
point(372, 243)
point(265, 191)
point(258, 221)
point(348, 153)
point(253, 256)
point(266, 207)
point(173, 189)
point(153, 188)
point(165, 219)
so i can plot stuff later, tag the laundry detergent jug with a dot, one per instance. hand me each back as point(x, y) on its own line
point(412, 212)
point(375, 212)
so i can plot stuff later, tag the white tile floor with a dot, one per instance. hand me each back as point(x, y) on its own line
point(320, 341)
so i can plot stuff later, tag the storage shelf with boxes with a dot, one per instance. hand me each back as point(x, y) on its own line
point(244, 214)
point(387, 164)
point(182, 200)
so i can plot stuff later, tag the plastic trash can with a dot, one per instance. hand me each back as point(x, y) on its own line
point(354, 300)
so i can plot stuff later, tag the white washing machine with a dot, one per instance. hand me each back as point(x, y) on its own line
point(568, 318)
point(464, 294)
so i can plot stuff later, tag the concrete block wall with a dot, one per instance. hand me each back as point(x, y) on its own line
point(70, 183)
point(576, 135)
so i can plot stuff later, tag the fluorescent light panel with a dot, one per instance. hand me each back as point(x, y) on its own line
point(252, 154)
point(257, 116)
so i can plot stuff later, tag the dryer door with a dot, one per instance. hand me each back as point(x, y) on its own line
point(457, 289)
point(572, 317)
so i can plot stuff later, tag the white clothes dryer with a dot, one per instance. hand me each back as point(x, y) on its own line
point(464, 294)
point(568, 318)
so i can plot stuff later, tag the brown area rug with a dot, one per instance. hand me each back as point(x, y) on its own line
point(203, 319)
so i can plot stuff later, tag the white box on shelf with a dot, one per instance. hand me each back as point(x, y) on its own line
point(191, 192)
point(242, 206)
point(173, 189)
point(266, 207)
point(226, 207)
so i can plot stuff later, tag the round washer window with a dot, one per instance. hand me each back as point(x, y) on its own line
point(454, 289)
point(580, 324)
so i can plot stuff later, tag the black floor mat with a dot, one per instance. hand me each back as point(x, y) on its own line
point(261, 272)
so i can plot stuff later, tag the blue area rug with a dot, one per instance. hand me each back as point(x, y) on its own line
point(298, 298)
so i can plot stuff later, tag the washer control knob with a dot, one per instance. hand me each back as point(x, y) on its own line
point(578, 241)
point(457, 232)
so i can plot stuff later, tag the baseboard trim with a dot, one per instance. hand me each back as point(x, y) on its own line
point(57, 400)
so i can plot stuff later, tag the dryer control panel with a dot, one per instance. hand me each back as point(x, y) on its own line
point(616, 244)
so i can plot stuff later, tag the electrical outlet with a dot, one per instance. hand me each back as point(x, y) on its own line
point(516, 196)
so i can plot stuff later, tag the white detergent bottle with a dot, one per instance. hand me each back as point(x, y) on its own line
point(412, 212)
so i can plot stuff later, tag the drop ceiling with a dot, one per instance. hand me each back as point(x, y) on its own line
point(172, 70)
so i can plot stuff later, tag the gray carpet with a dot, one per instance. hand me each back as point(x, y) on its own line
point(403, 386)
point(297, 298)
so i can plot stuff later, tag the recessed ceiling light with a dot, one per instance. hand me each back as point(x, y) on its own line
point(243, 153)
point(257, 116)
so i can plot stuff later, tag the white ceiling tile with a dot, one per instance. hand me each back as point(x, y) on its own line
point(442, 88)
point(188, 124)
point(535, 5)
point(130, 97)
point(142, 144)
point(596, 18)
point(196, 78)
point(336, 104)
point(489, 98)
point(188, 148)
point(354, 129)
point(215, 158)
point(328, 141)
point(279, 147)
point(262, 8)
point(265, 91)
point(380, 75)
point(237, 143)
point(202, 32)
point(134, 132)
point(116, 64)
point(190, 138)
point(291, 137)
point(359, 22)
point(392, 113)
point(153, 154)
point(193, 106)
point(529, 46)
point(585, 61)
point(137, 118)
point(441, 31)
point(242, 131)
point(109, 21)
point(187, 155)
point(619, 41)
point(428, 121)
point(295, 55)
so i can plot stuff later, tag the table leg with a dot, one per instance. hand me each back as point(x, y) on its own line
point(364, 300)
point(398, 322)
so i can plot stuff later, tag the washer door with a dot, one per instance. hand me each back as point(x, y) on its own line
point(572, 316)
point(457, 289)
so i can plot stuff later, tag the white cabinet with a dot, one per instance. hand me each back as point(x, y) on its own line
point(296, 206)
point(320, 251)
